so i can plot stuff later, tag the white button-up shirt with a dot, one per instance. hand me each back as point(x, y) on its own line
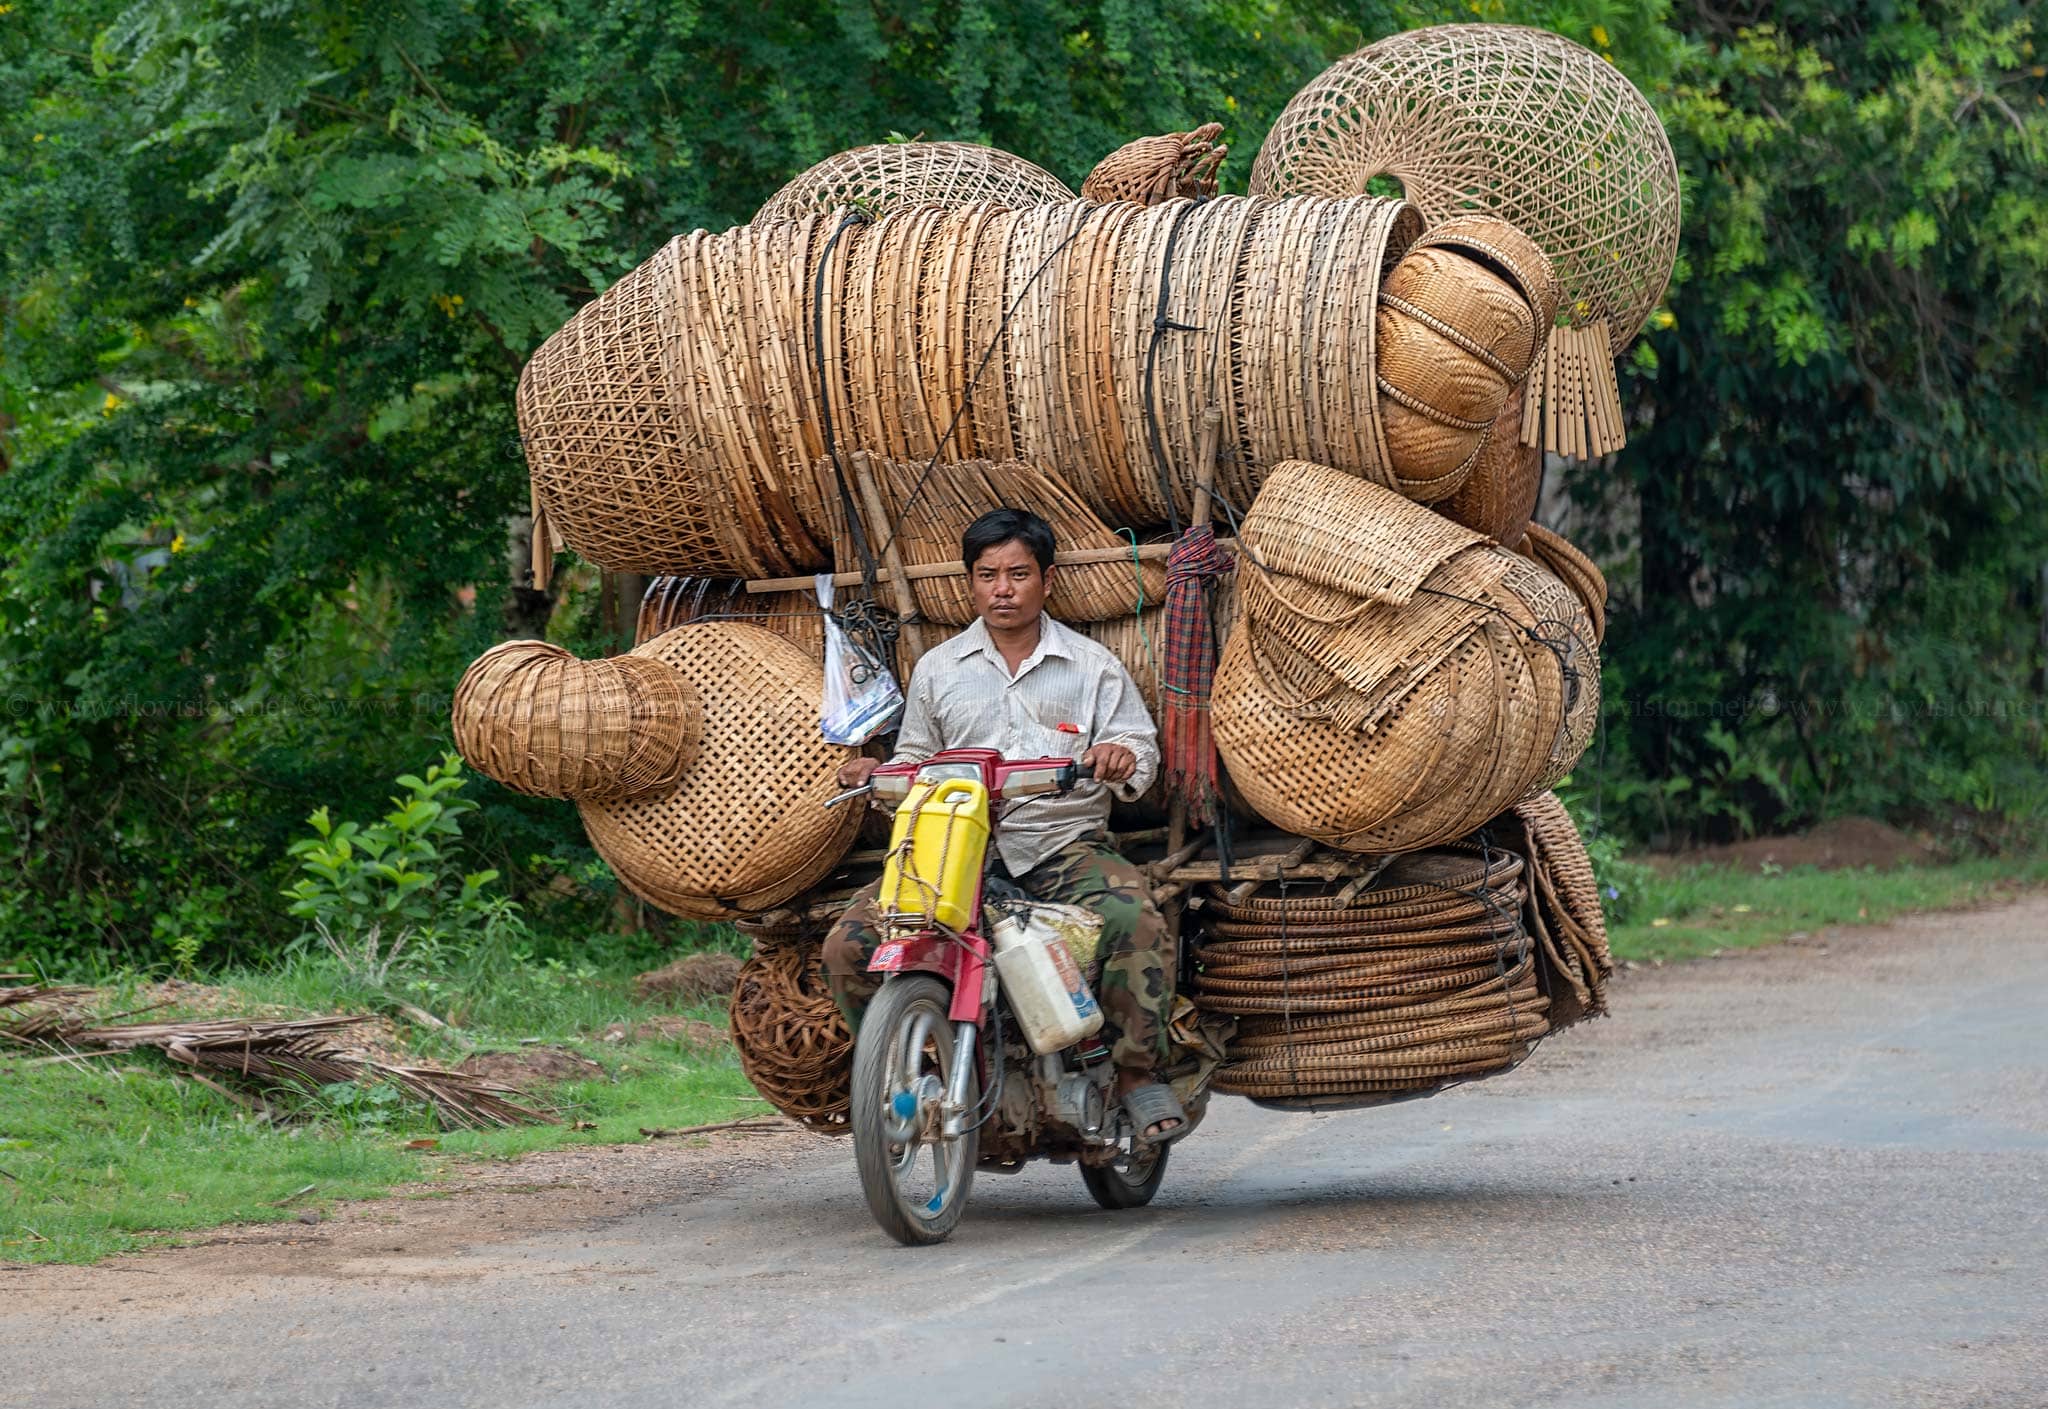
point(963, 696)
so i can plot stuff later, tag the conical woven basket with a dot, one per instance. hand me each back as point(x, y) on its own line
point(745, 826)
point(545, 723)
point(891, 175)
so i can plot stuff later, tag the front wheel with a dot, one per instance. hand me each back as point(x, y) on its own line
point(1130, 1187)
point(916, 1178)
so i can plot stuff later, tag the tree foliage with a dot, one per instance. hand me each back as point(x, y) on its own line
point(271, 269)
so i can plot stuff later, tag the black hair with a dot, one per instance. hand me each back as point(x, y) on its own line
point(1000, 526)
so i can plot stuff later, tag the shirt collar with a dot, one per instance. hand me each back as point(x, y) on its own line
point(1054, 639)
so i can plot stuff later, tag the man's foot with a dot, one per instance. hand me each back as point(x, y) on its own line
point(1151, 1104)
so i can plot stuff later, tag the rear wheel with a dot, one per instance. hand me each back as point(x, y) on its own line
point(1130, 1187)
point(915, 1178)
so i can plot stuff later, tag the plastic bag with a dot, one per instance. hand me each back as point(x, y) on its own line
point(861, 694)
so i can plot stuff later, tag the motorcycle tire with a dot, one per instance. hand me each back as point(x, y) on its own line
point(1115, 1188)
point(887, 1162)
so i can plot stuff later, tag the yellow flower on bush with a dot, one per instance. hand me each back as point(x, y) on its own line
point(1600, 35)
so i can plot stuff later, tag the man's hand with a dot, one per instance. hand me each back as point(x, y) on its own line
point(1113, 763)
point(855, 772)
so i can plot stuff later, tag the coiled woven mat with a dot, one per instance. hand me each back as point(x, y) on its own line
point(1428, 977)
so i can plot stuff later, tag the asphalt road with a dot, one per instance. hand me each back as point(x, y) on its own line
point(1810, 1176)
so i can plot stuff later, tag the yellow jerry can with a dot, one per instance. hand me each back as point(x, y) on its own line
point(935, 854)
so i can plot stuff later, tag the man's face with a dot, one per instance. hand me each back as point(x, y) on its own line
point(1009, 586)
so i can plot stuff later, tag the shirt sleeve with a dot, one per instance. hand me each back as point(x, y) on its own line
point(917, 737)
point(1121, 708)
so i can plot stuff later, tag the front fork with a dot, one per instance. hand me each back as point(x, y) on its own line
point(956, 1109)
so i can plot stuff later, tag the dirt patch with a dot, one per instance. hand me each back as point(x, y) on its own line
point(1842, 844)
point(689, 979)
point(531, 1066)
point(670, 1027)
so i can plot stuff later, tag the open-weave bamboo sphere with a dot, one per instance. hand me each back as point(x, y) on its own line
point(1514, 122)
point(889, 175)
point(745, 827)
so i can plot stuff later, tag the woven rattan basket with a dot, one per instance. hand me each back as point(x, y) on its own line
point(891, 175)
point(745, 826)
point(1577, 570)
point(1499, 495)
point(1155, 169)
point(1393, 681)
point(1528, 126)
point(1458, 331)
point(792, 1041)
point(675, 425)
point(542, 722)
point(1514, 122)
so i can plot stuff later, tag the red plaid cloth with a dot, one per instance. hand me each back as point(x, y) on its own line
point(1189, 669)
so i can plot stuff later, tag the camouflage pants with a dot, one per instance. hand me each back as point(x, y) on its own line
point(1136, 990)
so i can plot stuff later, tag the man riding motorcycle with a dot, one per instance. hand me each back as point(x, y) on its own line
point(1019, 682)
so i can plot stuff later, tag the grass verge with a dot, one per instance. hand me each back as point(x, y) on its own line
point(1694, 912)
point(106, 1155)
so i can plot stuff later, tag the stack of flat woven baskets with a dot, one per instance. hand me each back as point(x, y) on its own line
point(674, 426)
point(1427, 977)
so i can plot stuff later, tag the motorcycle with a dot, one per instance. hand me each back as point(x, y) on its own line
point(950, 1075)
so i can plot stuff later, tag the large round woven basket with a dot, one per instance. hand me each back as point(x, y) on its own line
point(545, 723)
point(1518, 123)
point(675, 425)
point(891, 175)
point(745, 826)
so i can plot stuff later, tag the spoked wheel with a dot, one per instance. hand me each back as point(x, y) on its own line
point(1131, 1187)
point(915, 1178)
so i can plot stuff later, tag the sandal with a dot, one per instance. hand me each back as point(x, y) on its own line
point(1150, 1105)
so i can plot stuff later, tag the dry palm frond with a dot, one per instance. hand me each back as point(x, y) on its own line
point(294, 1053)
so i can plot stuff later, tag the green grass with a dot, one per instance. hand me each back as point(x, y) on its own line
point(1691, 913)
point(113, 1154)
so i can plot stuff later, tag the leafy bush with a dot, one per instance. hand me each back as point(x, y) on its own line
point(384, 897)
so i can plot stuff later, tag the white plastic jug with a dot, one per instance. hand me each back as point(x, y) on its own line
point(1035, 959)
